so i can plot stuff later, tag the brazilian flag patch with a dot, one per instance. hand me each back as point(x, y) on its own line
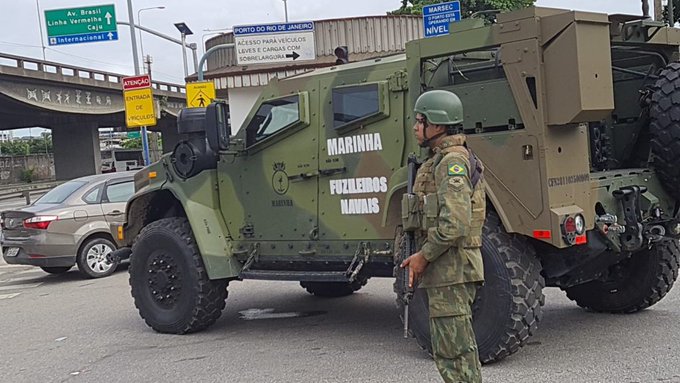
point(456, 170)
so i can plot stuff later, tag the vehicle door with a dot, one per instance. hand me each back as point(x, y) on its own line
point(116, 193)
point(275, 180)
point(361, 147)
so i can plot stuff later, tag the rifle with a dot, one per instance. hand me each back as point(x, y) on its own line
point(408, 246)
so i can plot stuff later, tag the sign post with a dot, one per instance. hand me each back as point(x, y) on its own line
point(437, 17)
point(274, 43)
point(139, 106)
point(81, 25)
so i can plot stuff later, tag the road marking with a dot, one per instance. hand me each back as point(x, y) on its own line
point(8, 296)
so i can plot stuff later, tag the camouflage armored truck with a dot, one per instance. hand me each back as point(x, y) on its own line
point(576, 116)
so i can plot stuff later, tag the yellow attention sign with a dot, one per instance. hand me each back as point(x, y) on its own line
point(139, 108)
point(200, 94)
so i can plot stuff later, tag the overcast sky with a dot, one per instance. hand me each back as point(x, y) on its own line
point(20, 26)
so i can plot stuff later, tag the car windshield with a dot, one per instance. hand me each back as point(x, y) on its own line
point(60, 193)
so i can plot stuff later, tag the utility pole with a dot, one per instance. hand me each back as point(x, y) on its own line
point(658, 10)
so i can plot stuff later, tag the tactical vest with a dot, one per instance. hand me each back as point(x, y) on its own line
point(425, 186)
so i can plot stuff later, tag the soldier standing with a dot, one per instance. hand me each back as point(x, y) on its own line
point(452, 204)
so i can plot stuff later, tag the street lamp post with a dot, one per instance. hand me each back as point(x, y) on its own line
point(185, 31)
point(139, 21)
point(285, 9)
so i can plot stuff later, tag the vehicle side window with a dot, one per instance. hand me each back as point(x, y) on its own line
point(120, 192)
point(273, 116)
point(353, 103)
point(94, 195)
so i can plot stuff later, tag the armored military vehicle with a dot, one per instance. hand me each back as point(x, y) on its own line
point(576, 116)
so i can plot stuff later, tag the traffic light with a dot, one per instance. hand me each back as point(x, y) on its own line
point(342, 54)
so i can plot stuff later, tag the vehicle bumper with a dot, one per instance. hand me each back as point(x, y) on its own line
point(37, 253)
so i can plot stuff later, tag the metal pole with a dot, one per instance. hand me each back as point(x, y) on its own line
point(133, 37)
point(135, 60)
point(141, 41)
point(207, 54)
point(193, 47)
point(285, 8)
point(42, 41)
point(139, 22)
point(184, 56)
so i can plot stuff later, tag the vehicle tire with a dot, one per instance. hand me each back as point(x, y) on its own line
point(56, 270)
point(94, 259)
point(169, 282)
point(333, 289)
point(634, 284)
point(507, 308)
point(664, 128)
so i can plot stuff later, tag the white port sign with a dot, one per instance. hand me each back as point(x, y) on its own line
point(274, 43)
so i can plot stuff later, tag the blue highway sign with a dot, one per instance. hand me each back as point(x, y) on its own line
point(83, 38)
point(436, 18)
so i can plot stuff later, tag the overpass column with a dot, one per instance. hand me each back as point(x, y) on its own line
point(76, 151)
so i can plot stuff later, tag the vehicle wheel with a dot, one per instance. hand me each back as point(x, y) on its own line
point(169, 283)
point(94, 258)
point(634, 284)
point(664, 128)
point(56, 270)
point(508, 308)
point(333, 289)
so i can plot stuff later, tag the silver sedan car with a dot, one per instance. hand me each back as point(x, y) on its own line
point(69, 225)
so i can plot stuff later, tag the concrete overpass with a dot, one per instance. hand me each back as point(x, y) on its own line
point(74, 102)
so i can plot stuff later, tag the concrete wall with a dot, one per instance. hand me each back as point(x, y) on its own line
point(13, 168)
point(241, 100)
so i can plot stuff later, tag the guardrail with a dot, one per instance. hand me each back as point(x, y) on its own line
point(28, 63)
point(26, 190)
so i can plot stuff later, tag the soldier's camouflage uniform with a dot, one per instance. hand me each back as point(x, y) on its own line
point(450, 239)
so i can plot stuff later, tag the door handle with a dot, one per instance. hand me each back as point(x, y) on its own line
point(115, 212)
point(302, 176)
point(330, 172)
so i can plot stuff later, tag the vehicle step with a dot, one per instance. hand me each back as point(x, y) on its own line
point(303, 276)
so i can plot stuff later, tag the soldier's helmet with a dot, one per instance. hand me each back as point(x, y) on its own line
point(440, 107)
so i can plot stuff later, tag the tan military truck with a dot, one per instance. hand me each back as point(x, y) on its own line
point(576, 116)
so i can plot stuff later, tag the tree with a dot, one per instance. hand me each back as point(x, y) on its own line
point(415, 7)
point(14, 148)
point(132, 143)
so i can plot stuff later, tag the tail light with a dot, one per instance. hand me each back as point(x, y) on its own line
point(573, 230)
point(40, 222)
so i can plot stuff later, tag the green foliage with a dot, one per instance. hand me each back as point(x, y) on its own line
point(132, 143)
point(37, 145)
point(27, 175)
point(136, 143)
point(415, 7)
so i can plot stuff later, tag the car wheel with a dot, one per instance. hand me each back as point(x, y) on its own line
point(56, 270)
point(94, 259)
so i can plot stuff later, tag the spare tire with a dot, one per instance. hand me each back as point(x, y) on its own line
point(664, 128)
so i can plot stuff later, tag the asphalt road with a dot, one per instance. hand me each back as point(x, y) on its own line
point(69, 329)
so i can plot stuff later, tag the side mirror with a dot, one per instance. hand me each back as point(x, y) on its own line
point(217, 125)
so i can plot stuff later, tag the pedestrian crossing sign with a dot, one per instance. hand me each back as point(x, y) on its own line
point(200, 94)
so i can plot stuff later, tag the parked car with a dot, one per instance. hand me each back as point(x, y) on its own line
point(69, 225)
